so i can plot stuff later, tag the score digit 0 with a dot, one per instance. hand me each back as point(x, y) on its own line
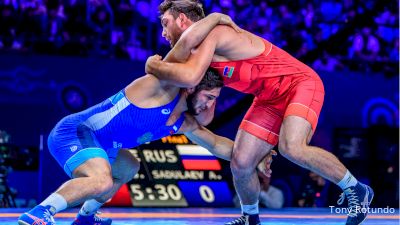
point(168, 192)
point(206, 194)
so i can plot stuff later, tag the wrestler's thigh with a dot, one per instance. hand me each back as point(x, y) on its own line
point(93, 167)
point(295, 130)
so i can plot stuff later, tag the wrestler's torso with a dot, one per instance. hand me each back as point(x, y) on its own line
point(249, 74)
point(118, 122)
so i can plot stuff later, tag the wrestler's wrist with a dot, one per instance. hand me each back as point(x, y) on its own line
point(216, 17)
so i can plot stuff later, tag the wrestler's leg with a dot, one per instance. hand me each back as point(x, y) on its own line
point(91, 179)
point(123, 170)
point(294, 137)
point(293, 144)
point(248, 151)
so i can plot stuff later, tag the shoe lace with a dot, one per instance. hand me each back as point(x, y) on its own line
point(97, 218)
point(48, 216)
point(240, 220)
point(353, 201)
point(36, 221)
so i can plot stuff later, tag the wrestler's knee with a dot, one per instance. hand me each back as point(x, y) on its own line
point(290, 148)
point(102, 184)
point(97, 172)
point(242, 166)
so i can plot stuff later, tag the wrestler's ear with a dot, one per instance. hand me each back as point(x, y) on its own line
point(182, 20)
point(190, 90)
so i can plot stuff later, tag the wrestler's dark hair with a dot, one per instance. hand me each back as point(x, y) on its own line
point(191, 8)
point(211, 80)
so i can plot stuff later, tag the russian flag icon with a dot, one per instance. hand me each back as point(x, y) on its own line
point(195, 157)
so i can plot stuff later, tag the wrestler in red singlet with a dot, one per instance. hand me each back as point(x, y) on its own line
point(282, 86)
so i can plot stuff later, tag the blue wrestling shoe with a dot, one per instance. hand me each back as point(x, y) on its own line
point(40, 215)
point(359, 198)
point(91, 220)
point(246, 219)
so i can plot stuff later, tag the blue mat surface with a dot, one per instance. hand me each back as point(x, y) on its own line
point(201, 216)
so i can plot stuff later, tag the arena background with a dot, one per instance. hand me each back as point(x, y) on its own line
point(59, 57)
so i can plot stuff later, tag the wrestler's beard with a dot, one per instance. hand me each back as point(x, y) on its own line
point(190, 105)
point(175, 39)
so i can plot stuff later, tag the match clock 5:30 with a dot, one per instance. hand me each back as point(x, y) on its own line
point(184, 193)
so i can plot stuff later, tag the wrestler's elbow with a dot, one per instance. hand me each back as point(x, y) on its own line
point(191, 78)
point(187, 42)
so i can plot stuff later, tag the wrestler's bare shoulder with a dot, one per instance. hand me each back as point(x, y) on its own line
point(148, 91)
point(232, 45)
point(147, 84)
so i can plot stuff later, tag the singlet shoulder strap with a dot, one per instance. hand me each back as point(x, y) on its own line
point(268, 47)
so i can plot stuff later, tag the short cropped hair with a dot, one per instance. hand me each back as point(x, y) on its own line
point(191, 8)
point(211, 80)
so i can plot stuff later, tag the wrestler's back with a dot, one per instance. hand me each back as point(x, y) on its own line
point(236, 46)
point(248, 60)
point(122, 120)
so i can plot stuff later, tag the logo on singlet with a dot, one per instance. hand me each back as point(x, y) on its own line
point(228, 71)
point(174, 130)
point(146, 137)
point(165, 111)
point(117, 145)
point(73, 148)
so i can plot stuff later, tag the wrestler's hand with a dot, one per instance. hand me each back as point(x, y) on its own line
point(265, 165)
point(227, 20)
point(151, 62)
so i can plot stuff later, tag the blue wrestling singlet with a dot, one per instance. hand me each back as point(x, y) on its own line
point(102, 130)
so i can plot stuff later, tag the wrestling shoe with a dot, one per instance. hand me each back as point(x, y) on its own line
point(246, 219)
point(359, 198)
point(91, 220)
point(40, 215)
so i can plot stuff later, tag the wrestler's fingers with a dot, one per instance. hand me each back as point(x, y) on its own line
point(236, 27)
point(265, 171)
point(268, 173)
point(158, 57)
point(262, 167)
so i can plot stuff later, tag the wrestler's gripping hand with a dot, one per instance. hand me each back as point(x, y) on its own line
point(227, 20)
point(151, 61)
point(265, 165)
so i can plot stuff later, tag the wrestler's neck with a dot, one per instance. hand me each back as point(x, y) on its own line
point(185, 25)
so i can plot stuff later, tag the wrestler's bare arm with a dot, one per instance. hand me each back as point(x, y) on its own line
point(201, 31)
point(187, 74)
point(219, 146)
point(195, 34)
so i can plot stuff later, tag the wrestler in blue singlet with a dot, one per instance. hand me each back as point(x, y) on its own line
point(102, 130)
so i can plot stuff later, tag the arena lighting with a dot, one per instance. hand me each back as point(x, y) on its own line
point(73, 98)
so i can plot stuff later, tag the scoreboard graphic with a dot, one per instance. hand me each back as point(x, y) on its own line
point(175, 173)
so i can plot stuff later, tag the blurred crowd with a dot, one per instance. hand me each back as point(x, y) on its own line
point(328, 35)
